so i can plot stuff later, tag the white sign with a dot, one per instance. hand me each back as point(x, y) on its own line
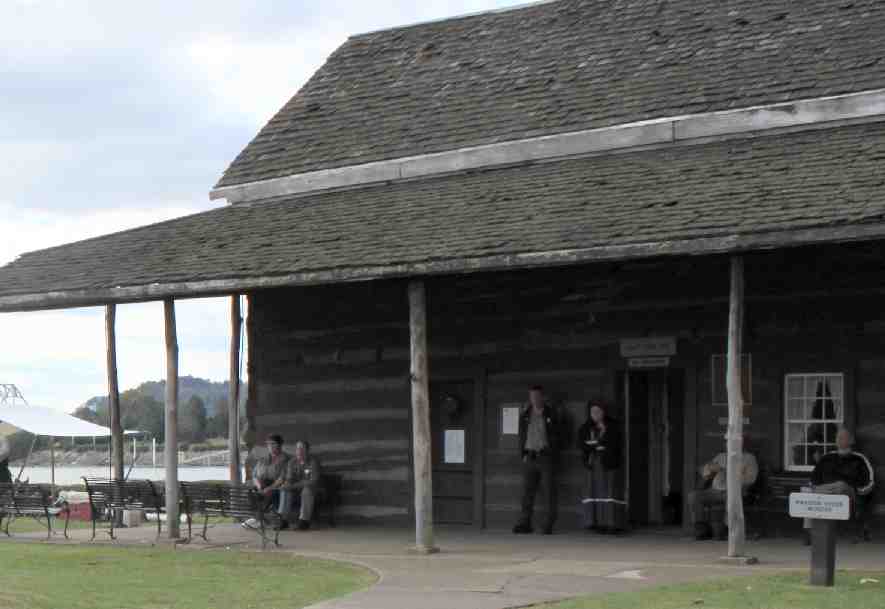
point(510, 420)
point(454, 450)
point(648, 362)
point(824, 507)
point(644, 347)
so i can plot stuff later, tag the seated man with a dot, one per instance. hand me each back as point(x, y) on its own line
point(269, 474)
point(844, 472)
point(299, 490)
point(714, 492)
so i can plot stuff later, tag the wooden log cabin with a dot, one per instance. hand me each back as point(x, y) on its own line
point(562, 187)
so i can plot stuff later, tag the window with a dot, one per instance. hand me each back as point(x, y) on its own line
point(815, 409)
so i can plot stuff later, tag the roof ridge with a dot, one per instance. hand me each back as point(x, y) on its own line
point(492, 11)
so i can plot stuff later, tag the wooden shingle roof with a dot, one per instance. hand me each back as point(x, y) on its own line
point(562, 66)
point(738, 195)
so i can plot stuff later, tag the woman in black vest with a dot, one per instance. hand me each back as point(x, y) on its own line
point(599, 439)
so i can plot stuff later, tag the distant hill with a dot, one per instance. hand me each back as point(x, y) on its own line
point(209, 391)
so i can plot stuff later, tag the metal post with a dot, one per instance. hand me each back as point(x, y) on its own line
point(233, 431)
point(823, 552)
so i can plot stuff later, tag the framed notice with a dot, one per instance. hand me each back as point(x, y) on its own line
point(510, 421)
point(454, 451)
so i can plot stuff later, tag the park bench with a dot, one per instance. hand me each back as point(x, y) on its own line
point(28, 500)
point(237, 501)
point(106, 495)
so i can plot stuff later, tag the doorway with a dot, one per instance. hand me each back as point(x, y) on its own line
point(655, 437)
point(452, 420)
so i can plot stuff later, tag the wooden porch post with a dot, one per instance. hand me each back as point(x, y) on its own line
point(233, 427)
point(421, 419)
point(110, 320)
point(734, 388)
point(171, 420)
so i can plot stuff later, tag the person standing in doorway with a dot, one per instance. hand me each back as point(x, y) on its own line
point(599, 439)
point(539, 444)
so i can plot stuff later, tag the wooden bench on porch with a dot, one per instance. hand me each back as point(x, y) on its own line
point(106, 495)
point(237, 501)
point(27, 500)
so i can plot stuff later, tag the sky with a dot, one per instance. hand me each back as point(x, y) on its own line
point(118, 114)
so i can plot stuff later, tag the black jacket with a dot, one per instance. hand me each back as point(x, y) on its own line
point(854, 469)
point(605, 449)
point(552, 424)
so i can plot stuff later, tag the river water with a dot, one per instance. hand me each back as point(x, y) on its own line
point(65, 475)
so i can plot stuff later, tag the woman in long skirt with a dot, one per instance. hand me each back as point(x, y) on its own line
point(600, 441)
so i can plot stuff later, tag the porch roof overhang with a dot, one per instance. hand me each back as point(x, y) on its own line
point(772, 191)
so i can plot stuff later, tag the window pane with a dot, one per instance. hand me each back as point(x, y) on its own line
point(811, 386)
point(796, 434)
point(837, 410)
point(815, 433)
point(796, 410)
point(794, 387)
point(830, 435)
point(815, 453)
point(798, 454)
point(835, 383)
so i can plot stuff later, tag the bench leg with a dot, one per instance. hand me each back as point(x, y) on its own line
point(48, 523)
point(159, 524)
point(205, 533)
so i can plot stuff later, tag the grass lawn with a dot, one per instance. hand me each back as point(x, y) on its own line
point(785, 591)
point(38, 576)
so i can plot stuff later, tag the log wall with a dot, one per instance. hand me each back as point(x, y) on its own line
point(331, 363)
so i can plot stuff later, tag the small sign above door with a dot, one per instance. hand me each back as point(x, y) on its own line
point(659, 346)
point(648, 362)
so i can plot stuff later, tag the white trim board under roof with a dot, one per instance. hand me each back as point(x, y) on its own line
point(693, 128)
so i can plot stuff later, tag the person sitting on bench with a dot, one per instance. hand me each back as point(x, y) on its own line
point(299, 490)
point(714, 493)
point(269, 474)
point(844, 472)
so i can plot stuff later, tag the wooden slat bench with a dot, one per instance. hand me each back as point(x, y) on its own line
point(136, 495)
point(27, 500)
point(237, 501)
point(328, 496)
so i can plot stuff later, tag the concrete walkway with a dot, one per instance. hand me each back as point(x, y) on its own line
point(495, 570)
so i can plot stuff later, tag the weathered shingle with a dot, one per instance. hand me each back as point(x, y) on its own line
point(563, 66)
point(824, 178)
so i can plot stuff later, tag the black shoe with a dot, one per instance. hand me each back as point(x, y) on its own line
point(523, 529)
point(548, 530)
point(302, 525)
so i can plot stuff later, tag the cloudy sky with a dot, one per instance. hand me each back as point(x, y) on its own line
point(116, 114)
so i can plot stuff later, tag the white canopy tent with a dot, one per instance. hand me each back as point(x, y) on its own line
point(42, 421)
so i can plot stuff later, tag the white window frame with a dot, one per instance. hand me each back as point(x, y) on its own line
point(787, 420)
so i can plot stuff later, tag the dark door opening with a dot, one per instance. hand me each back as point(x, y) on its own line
point(654, 400)
point(451, 427)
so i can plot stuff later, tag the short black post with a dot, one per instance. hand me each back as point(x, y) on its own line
point(823, 552)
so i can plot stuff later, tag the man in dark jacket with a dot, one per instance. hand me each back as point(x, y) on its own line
point(539, 446)
point(845, 472)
